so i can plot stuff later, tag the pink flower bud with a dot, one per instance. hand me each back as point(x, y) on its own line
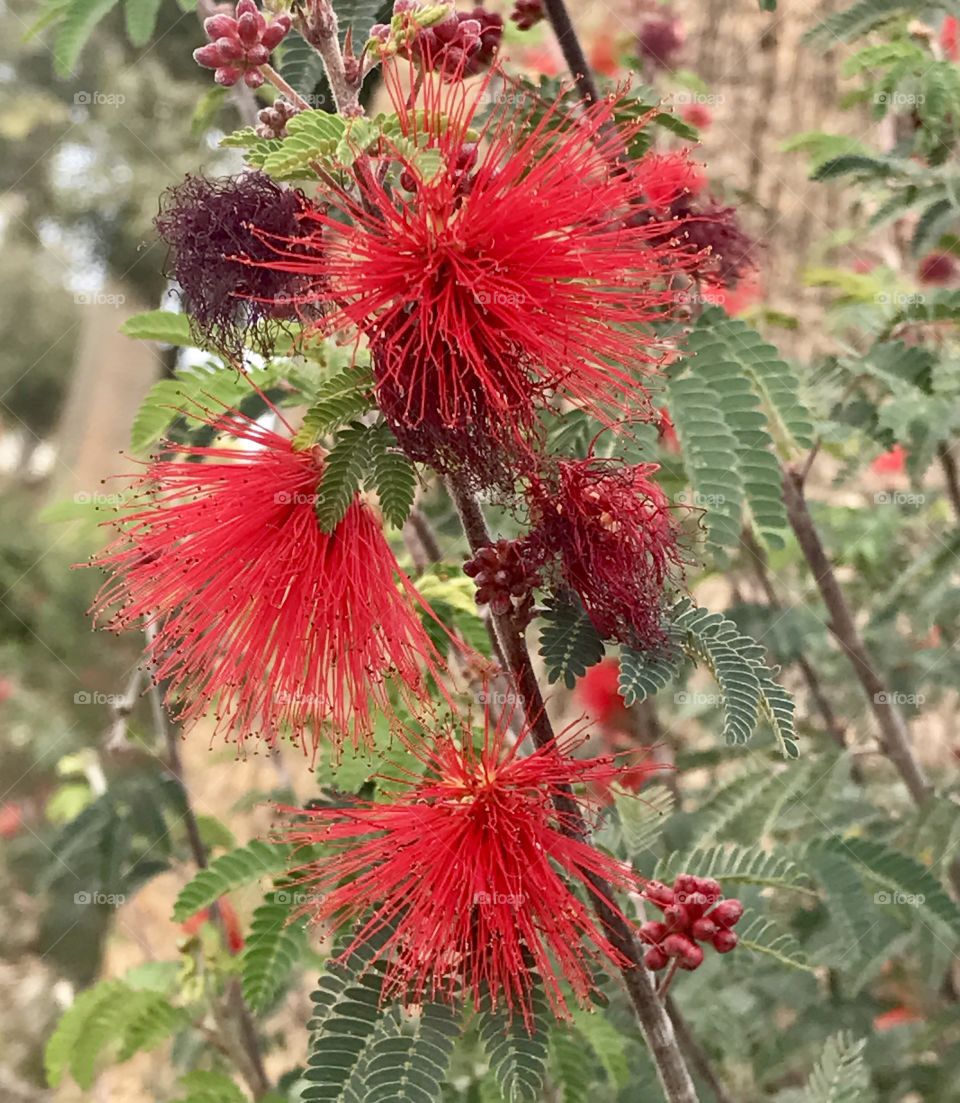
point(258, 55)
point(724, 941)
point(227, 75)
point(655, 958)
point(220, 26)
point(247, 7)
point(249, 28)
point(276, 32)
point(727, 913)
point(230, 49)
point(676, 917)
point(653, 932)
point(209, 56)
point(704, 929)
point(253, 78)
point(692, 959)
point(679, 946)
point(658, 893)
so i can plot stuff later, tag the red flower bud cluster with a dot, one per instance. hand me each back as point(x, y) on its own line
point(527, 13)
point(659, 41)
point(240, 43)
point(505, 579)
point(272, 121)
point(694, 911)
point(461, 45)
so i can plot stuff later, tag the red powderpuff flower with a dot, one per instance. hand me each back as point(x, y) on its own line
point(598, 691)
point(668, 177)
point(698, 115)
point(949, 38)
point(232, 927)
point(259, 615)
point(472, 866)
point(937, 268)
point(890, 463)
point(230, 299)
point(517, 271)
point(614, 536)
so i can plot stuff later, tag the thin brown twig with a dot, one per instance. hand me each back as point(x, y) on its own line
point(654, 1021)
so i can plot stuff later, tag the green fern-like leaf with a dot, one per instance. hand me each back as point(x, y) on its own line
point(518, 1059)
point(709, 449)
point(273, 946)
point(150, 1019)
point(203, 1086)
point(343, 475)
point(75, 26)
point(738, 865)
point(194, 394)
point(644, 673)
point(857, 164)
point(764, 936)
point(140, 18)
point(902, 881)
point(411, 1067)
point(68, 1039)
point(569, 643)
point(347, 1013)
point(712, 352)
point(301, 66)
point(840, 1076)
point(229, 871)
point(392, 476)
point(607, 1044)
point(567, 1067)
point(857, 20)
point(339, 399)
point(642, 818)
point(312, 136)
point(165, 326)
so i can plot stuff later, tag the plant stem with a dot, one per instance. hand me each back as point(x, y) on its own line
point(282, 86)
point(695, 1052)
point(573, 53)
point(759, 561)
point(247, 1054)
point(654, 1020)
point(949, 464)
point(894, 735)
point(319, 26)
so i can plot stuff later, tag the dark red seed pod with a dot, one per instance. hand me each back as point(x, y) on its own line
point(679, 946)
point(692, 959)
point(725, 941)
point(727, 913)
point(653, 932)
point(704, 929)
point(676, 917)
point(655, 958)
point(658, 893)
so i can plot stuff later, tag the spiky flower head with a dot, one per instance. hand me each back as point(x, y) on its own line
point(209, 228)
point(612, 536)
point(505, 266)
point(260, 617)
point(473, 870)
